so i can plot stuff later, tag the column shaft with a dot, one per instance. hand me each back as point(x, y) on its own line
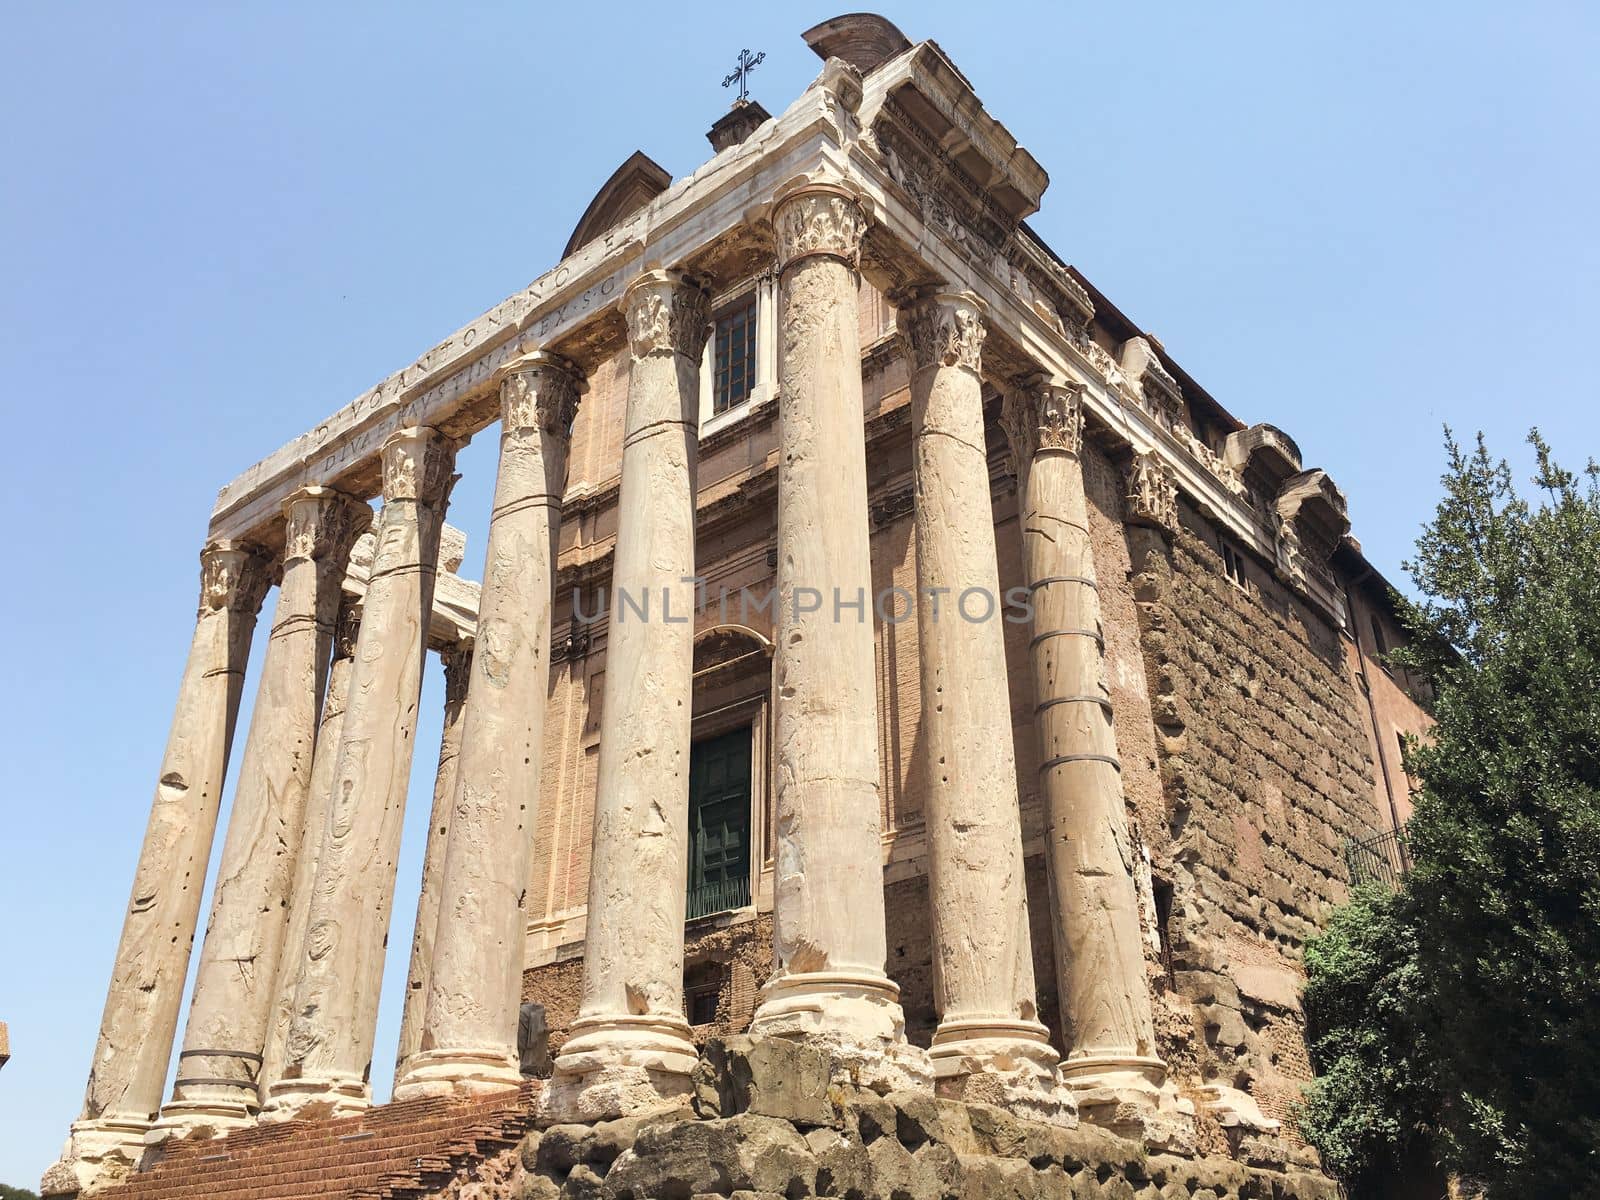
point(982, 951)
point(830, 985)
point(630, 1046)
point(1100, 967)
point(457, 667)
point(141, 1012)
point(233, 991)
point(329, 1051)
point(469, 1039)
point(319, 797)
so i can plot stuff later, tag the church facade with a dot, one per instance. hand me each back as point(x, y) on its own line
point(894, 684)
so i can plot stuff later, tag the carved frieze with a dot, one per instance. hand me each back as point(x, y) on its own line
point(890, 507)
point(573, 646)
point(1152, 493)
point(667, 310)
point(541, 390)
point(418, 464)
point(1040, 415)
point(1157, 390)
point(942, 330)
point(323, 523)
point(346, 629)
point(1311, 517)
point(819, 221)
point(457, 660)
point(234, 575)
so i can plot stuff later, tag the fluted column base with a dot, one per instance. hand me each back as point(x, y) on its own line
point(855, 1018)
point(313, 1098)
point(98, 1154)
point(616, 1065)
point(457, 1073)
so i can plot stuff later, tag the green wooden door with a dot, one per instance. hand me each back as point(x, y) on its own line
point(719, 823)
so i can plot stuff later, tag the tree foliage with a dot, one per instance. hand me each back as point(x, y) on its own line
point(1497, 927)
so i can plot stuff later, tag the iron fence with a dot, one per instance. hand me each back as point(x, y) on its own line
point(717, 897)
point(1381, 859)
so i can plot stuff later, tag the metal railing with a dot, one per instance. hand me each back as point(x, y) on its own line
point(718, 897)
point(1381, 858)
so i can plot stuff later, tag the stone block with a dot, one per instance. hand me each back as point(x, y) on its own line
point(748, 1152)
point(995, 1131)
point(561, 1148)
point(1277, 987)
point(771, 1077)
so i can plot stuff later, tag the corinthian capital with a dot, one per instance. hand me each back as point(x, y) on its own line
point(323, 523)
point(667, 310)
point(234, 575)
point(1152, 492)
point(818, 219)
point(540, 391)
point(418, 465)
point(1040, 415)
point(940, 329)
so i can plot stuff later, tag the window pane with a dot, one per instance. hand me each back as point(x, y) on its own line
point(733, 355)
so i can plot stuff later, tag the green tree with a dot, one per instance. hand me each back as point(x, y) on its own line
point(1371, 1110)
point(1501, 912)
point(11, 1193)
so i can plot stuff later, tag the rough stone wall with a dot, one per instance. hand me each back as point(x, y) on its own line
point(738, 956)
point(771, 1118)
point(1265, 770)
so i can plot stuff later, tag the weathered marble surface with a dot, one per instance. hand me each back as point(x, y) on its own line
point(830, 982)
point(1112, 1059)
point(457, 668)
point(319, 797)
point(329, 1048)
point(990, 1043)
point(234, 987)
point(468, 1037)
point(141, 1013)
point(630, 1045)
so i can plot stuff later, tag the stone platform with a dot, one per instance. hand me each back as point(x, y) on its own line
point(767, 1118)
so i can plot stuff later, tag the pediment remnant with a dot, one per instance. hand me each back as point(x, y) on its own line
point(634, 184)
point(864, 40)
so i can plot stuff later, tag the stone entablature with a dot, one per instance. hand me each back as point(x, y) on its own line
point(948, 186)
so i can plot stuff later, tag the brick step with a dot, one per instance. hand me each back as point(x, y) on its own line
point(401, 1151)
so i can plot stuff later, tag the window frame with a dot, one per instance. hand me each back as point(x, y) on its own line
point(764, 289)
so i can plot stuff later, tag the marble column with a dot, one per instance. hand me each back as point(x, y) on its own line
point(328, 1058)
point(1105, 996)
point(629, 1049)
point(457, 662)
point(990, 1044)
point(129, 1071)
point(468, 1041)
point(319, 796)
point(231, 1010)
point(830, 986)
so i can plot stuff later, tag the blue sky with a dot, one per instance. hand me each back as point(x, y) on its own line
point(220, 224)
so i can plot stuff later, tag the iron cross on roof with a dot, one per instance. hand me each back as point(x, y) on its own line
point(741, 73)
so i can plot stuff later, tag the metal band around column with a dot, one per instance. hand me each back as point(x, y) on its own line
point(1103, 701)
point(1055, 633)
point(1062, 759)
point(1049, 579)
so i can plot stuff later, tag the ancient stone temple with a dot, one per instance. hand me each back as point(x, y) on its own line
point(903, 734)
